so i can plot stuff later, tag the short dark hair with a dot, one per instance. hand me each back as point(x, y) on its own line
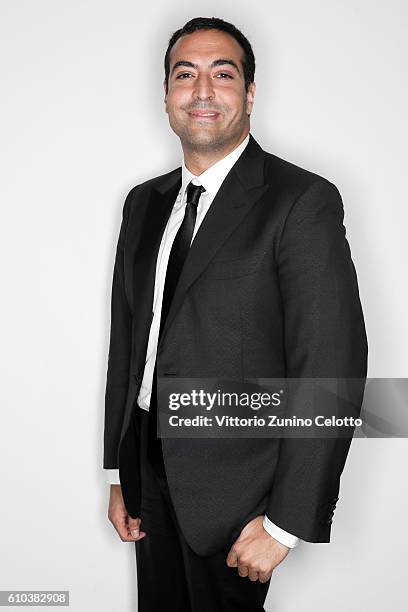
point(214, 23)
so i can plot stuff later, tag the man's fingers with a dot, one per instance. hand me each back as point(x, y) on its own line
point(264, 576)
point(120, 523)
point(121, 519)
point(121, 527)
point(243, 571)
point(232, 558)
point(253, 575)
point(139, 537)
point(134, 526)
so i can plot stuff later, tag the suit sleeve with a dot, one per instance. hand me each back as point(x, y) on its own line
point(324, 336)
point(117, 378)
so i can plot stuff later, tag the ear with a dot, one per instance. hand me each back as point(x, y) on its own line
point(165, 92)
point(250, 97)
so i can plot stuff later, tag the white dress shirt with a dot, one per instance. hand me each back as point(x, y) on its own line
point(211, 179)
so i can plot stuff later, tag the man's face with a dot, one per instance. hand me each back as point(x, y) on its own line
point(207, 104)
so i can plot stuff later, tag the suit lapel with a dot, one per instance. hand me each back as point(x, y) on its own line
point(157, 211)
point(241, 189)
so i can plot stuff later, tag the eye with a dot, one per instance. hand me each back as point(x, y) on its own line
point(183, 74)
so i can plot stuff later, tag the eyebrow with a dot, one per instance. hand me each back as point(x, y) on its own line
point(217, 62)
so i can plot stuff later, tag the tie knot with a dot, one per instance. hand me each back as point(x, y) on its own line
point(193, 193)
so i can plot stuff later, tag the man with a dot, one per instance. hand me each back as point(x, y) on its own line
point(233, 265)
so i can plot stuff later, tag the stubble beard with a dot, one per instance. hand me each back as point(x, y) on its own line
point(207, 140)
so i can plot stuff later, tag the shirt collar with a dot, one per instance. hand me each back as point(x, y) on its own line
point(211, 178)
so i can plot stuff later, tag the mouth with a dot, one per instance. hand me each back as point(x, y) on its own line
point(204, 115)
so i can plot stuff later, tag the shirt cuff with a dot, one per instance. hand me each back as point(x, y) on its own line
point(112, 476)
point(285, 538)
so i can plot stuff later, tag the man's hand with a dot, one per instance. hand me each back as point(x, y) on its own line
point(127, 527)
point(255, 552)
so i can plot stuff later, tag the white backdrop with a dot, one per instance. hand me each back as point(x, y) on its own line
point(82, 121)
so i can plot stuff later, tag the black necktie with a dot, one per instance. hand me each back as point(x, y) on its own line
point(179, 249)
point(178, 254)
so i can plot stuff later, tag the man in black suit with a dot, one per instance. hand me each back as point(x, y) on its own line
point(233, 265)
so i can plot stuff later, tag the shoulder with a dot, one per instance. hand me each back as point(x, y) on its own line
point(291, 181)
point(303, 200)
point(298, 193)
point(160, 182)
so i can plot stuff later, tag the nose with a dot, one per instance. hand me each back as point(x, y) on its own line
point(203, 88)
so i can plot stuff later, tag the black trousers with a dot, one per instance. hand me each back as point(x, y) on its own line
point(171, 576)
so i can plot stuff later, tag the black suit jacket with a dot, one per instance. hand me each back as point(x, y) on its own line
point(269, 290)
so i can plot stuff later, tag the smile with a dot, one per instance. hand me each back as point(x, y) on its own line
point(204, 115)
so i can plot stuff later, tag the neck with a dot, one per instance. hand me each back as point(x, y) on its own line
point(199, 160)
